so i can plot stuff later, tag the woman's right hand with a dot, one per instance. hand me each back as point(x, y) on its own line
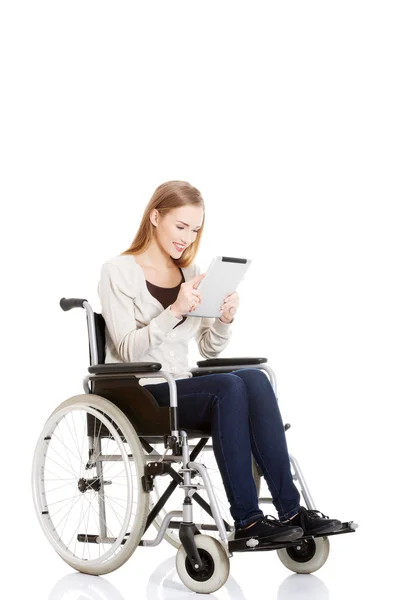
point(189, 297)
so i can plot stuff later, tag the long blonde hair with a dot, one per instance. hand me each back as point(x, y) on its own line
point(168, 195)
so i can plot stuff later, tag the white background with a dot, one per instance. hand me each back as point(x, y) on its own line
point(286, 117)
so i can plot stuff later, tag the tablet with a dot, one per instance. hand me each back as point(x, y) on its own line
point(222, 278)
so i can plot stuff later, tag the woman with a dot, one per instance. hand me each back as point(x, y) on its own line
point(144, 292)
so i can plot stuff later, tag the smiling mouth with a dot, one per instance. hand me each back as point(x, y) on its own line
point(179, 247)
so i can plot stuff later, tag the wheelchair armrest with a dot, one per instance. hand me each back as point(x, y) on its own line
point(226, 362)
point(136, 367)
point(206, 366)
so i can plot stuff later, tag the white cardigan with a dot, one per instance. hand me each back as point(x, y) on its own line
point(139, 329)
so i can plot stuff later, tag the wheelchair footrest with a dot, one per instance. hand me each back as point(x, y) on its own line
point(252, 544)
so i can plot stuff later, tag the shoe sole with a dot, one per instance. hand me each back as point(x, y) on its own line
point(285, 536)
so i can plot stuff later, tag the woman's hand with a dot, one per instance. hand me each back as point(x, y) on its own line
point(189, 297)
point(229, 307)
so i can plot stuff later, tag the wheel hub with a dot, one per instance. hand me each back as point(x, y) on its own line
point(303, 551)
point(207, 570)
point(89, 484)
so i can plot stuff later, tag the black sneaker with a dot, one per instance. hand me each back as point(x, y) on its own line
point(314, 521)
point(270, 529)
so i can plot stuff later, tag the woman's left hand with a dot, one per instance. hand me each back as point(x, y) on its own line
point(230, 306)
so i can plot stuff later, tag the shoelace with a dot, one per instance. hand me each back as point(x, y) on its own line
point(313, 514)
point(273, 521)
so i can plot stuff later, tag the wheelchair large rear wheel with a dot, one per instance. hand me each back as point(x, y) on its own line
point(87, 484)
point(200, 516)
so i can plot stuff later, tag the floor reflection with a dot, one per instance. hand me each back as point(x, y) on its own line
point(164, 584)
point(302, 587)
point(79, 586)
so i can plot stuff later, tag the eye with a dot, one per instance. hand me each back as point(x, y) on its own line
point(183, 228)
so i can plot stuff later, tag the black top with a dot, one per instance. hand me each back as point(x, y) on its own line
point(166, 296)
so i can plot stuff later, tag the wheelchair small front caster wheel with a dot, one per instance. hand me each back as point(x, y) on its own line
point(307, 556)
point(216, 566)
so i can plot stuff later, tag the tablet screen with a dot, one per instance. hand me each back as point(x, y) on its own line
point(222, 278)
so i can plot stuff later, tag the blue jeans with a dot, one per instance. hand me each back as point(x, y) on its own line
point(244, 416)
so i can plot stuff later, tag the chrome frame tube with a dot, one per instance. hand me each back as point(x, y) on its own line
point(87, 389)
point(147, 458)
point(271, 376)
point(163, 528)
point(188, 486)
point(298, 475)
point(92, 333)
point(187, 509)
point(96, 445)
point(202, 470)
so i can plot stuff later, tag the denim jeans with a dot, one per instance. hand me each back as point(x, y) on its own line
point(244, 416)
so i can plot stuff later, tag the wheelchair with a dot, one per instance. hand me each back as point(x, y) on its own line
point(107, 464)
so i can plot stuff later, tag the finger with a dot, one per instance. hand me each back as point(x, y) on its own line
point(227, 307)
point(197, 279)
point(194, 306)
point(228, 303)
point(233, 299)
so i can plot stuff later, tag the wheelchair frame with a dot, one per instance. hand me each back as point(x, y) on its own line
point(151, 423)
point(207, 366)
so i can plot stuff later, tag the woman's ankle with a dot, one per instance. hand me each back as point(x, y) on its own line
point(290, 518)
point(251, 525)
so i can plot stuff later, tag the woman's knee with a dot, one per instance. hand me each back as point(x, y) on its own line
point(259, 389)
point(231, 389)
point(255, 376)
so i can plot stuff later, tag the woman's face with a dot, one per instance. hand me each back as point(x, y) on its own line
point(178, 229)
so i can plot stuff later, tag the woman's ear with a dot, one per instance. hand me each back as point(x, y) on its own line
point(154, 217)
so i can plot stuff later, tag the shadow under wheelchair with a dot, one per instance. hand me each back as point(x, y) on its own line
point(111, 462)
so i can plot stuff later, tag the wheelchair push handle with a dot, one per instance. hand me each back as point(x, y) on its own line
point(69, 303)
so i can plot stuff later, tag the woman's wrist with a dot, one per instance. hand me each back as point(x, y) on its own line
point(175, 312)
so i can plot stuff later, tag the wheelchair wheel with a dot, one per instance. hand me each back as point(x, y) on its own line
point(87, 484)
point(306, 557)
point(200, 516)
point(216, 566)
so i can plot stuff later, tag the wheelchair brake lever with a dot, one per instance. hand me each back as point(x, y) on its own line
point(171, 442)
